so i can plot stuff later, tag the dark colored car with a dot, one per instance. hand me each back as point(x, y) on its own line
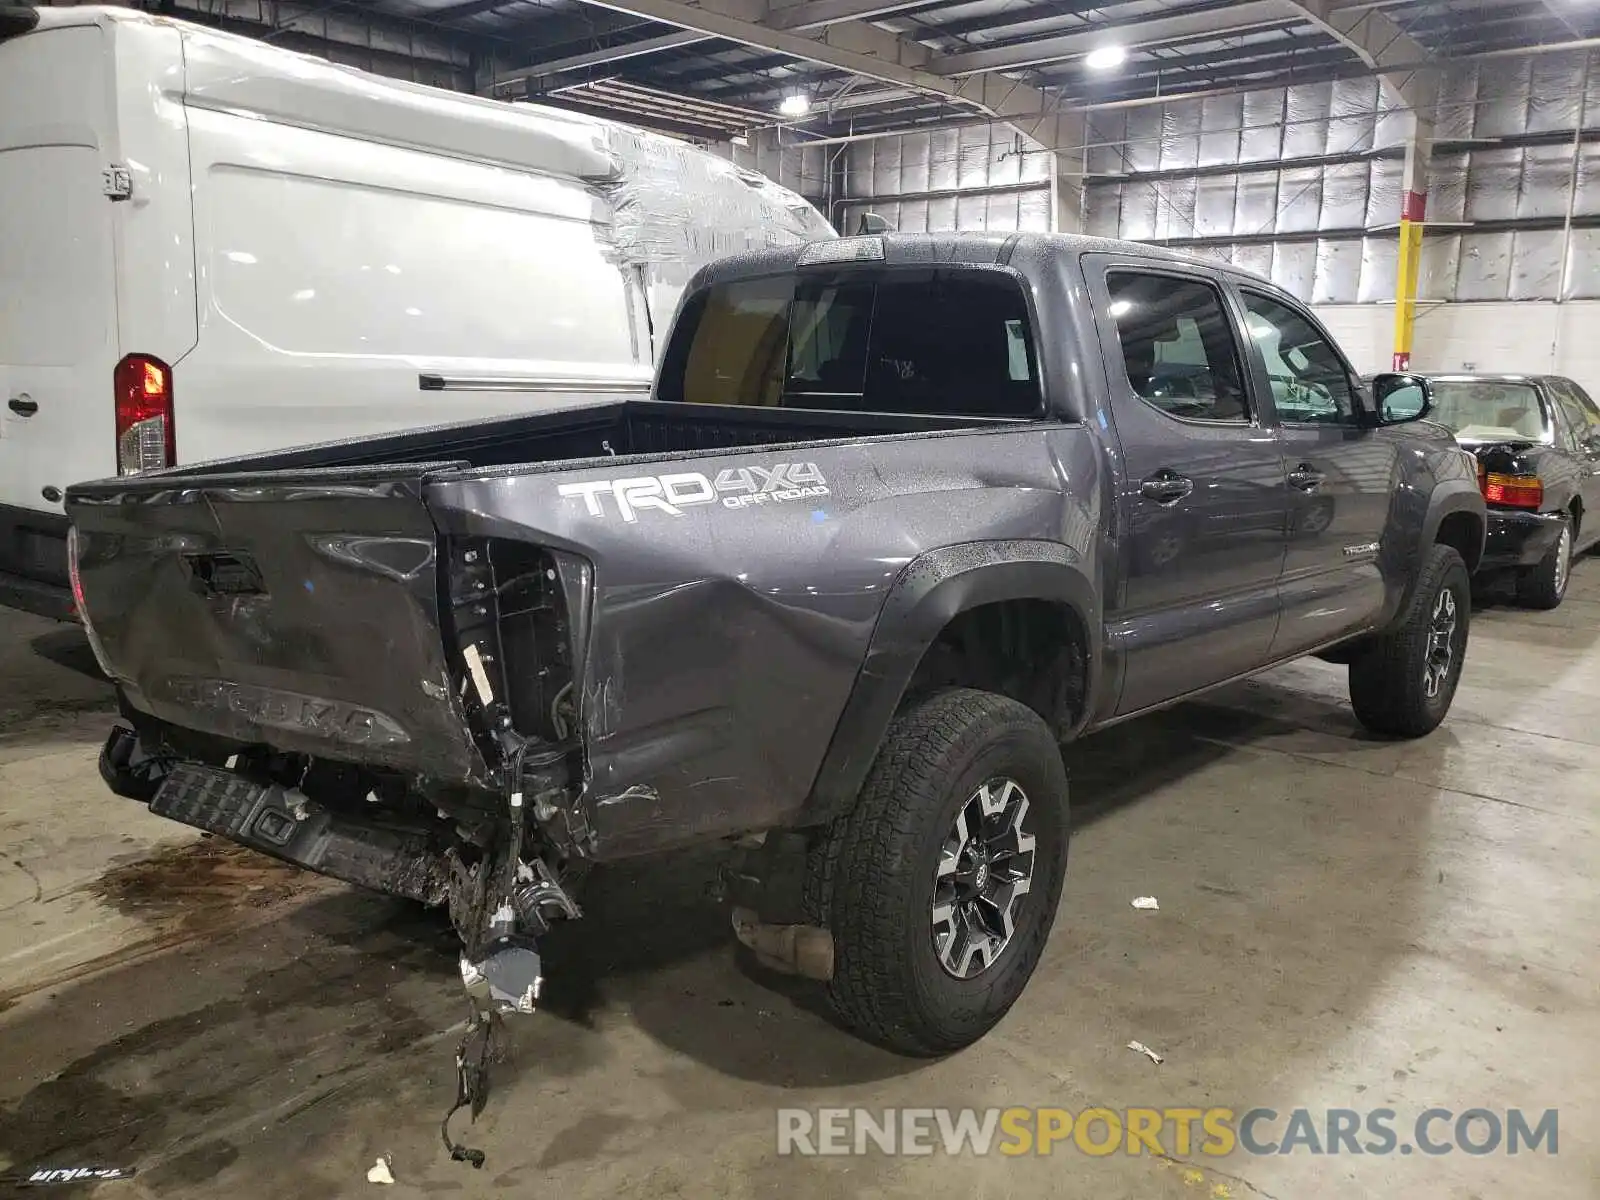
point(903, 515)
point(1537, 441)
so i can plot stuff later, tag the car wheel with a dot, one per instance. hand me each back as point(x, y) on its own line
point(1544, 585)
point(1403, 683)
point(941, 885)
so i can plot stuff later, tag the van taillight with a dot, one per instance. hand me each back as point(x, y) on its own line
point(146, 438)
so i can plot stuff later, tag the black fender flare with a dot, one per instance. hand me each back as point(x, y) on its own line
point(1444, 498)
point(927, 594)
point(1449, 497)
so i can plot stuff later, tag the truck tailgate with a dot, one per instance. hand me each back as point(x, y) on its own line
point(298, 609)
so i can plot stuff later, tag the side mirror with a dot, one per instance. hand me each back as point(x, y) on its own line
point(871, 222)
point(1401, 398)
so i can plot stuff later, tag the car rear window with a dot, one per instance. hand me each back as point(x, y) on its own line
point(1486, 410)
point(950, 343)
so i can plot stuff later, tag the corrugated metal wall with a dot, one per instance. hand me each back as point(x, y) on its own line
point(1299, 184)
point(1285, 182)
point(1518, 191)
point(1303, 184)
point(973, 177)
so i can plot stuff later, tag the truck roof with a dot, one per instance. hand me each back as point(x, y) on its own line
point(932, 249)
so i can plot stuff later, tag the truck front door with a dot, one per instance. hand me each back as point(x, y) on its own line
point(1341, 474)
point(1201, 510)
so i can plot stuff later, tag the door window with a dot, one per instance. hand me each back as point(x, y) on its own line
point(1591, 413)
point(1178, 349)
point(1310, 383)
point(1576, 421)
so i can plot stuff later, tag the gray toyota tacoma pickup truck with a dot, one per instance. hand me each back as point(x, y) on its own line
point(903, 516)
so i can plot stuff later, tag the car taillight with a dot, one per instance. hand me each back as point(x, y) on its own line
point(75, 574)
point(1514, 491)
point(146, 437)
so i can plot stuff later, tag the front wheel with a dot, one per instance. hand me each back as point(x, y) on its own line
point(1403, 684)
point(941, 885)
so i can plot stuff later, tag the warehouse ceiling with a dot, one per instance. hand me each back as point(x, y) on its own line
point(715, 67)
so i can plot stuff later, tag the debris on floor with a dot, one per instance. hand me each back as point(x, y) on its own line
point(379, 1171)
point(1141, 1048)
point(1146, 902)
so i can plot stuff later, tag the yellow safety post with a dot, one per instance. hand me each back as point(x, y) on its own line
point(1413, 208)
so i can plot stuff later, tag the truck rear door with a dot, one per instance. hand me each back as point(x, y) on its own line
point(58, 306)
point(1202, 504)
point(297, 609)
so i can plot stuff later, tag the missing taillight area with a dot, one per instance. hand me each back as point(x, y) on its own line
point(1512, 491)
point(537, 640)
point(508, 611)
point(147, 438)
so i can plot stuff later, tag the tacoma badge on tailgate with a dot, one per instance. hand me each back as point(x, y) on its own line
point(275, 709)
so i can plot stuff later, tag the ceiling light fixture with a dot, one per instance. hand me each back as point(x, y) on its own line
point(1105, 58)
point(796, 104)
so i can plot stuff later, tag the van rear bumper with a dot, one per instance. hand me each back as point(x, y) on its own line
point(33, 562)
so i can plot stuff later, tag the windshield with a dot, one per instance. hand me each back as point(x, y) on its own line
point(1483, 410)
point(945, 343)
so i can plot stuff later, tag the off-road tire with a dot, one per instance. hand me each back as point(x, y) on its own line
point(1545, 584)
point(1387, 686)
point(870, 877)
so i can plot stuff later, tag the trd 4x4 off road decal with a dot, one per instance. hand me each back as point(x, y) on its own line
point(738, 487)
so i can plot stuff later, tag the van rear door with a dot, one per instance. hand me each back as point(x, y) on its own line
point(58, 306)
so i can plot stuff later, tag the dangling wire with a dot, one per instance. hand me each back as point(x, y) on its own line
point(472, 1083)
point(472, 1065)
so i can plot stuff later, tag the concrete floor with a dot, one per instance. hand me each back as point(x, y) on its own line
point(1343, 923)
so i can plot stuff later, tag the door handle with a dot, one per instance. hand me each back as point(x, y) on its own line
point(23, 406)
point(1166, 487)
point(1306, 478)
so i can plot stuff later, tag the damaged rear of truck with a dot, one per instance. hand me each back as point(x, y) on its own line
point(902, 516)
point(463, 664)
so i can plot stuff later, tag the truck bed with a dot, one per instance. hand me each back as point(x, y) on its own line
point(421, 606)
point(624, 429)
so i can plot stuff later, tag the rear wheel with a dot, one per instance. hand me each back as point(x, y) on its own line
point(1543, 586)
point(941, 885)
point(1403, 684)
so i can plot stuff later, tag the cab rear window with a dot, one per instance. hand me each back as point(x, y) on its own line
point(946, 343)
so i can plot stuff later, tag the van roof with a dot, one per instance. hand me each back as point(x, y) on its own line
point(235, 73)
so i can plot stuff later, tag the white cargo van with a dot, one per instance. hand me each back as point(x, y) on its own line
point(209, 246)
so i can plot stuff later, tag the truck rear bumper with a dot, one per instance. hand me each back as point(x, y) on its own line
point(1519, 539)
point(383, 855)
